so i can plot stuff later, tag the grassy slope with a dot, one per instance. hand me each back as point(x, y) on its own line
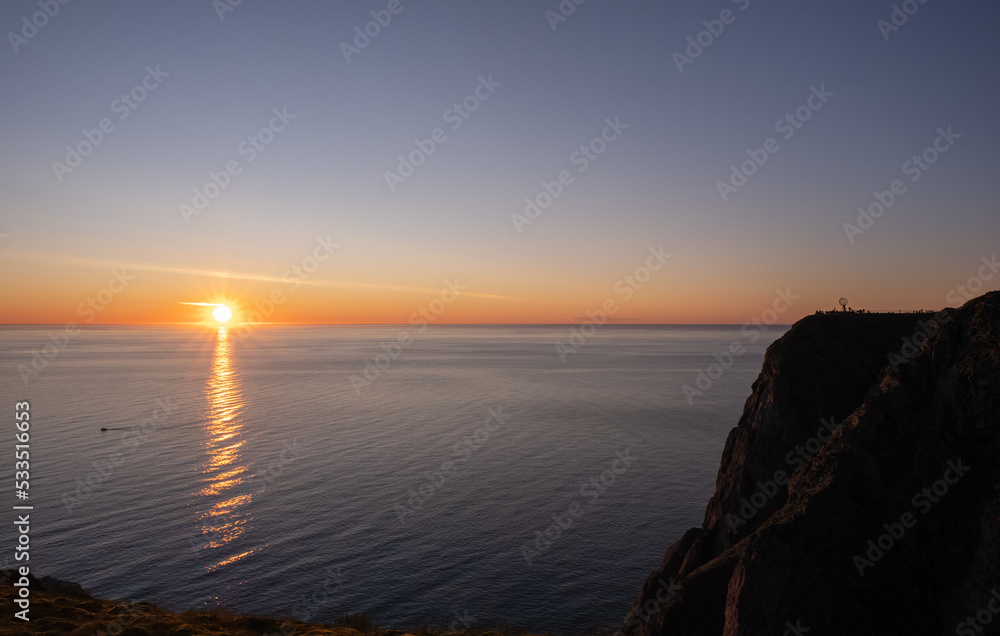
point(62, 613)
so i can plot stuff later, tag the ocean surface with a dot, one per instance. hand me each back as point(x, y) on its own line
point(476, 478)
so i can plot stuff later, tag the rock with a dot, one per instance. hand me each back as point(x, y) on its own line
point(46, 583)
point(52, 584)
point(774, 558)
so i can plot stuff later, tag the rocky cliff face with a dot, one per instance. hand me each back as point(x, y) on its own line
point(859, 493)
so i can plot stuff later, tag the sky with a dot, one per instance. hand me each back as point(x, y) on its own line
point(161, 153)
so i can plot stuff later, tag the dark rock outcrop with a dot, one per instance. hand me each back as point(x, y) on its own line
point(47, 583)
point(853, 544)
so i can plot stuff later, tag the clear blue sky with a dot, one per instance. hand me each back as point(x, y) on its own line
point(656, 184)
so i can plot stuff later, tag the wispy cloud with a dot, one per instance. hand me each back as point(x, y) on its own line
point(191, 271)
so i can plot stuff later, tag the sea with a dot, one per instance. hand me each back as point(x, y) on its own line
point(460, 476)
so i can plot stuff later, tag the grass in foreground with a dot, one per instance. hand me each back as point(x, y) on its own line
point(62, 613)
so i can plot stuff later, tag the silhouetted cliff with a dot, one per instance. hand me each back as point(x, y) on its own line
point(859, 493)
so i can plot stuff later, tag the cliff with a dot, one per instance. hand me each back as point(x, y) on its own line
point(859, 492)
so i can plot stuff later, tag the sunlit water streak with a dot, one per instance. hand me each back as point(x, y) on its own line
point(225, 473)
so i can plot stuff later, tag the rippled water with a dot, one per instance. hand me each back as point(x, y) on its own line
point(250, 472)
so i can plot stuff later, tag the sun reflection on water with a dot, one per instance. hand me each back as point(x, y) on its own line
point(225, 473)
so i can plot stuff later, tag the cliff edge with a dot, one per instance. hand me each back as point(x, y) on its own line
point(859, 492)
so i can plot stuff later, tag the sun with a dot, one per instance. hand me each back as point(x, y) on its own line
point(222, 313)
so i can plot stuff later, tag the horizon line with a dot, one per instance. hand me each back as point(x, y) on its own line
point(384, 324)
